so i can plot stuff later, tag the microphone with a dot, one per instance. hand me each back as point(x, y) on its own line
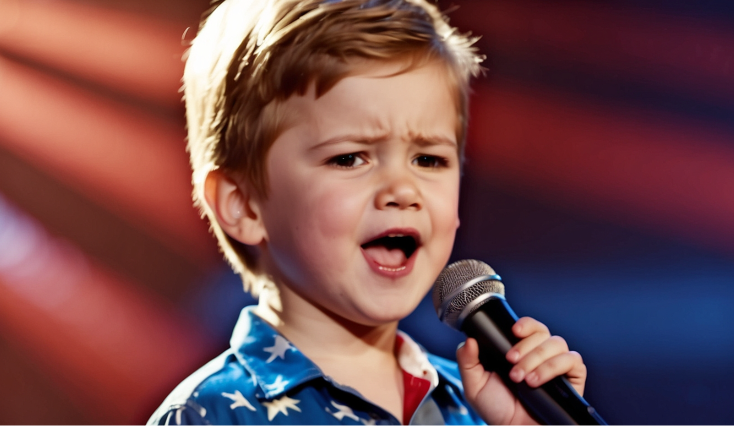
point(469, 296)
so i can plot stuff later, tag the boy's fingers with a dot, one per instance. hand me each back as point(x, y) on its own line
point(526, 326)
point(532, 333)
point(525, 346)
point(568, 363)
point(549, 348)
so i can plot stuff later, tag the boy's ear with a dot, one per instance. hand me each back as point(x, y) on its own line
point(236, 208)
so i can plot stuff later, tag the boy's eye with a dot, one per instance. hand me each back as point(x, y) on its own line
point(430, 161)
point(347, 160)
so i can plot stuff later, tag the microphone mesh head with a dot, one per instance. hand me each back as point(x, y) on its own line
point(452, 278)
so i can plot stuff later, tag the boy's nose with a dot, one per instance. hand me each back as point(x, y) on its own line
point(399, 191)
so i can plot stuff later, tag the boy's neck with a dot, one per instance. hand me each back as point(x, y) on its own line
point(337, 346)
point(320, 334)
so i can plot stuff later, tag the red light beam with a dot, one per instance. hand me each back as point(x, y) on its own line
point(133, 164)
point(112, 347)
point(682, 54)
point(138, 55)
point(637, 167)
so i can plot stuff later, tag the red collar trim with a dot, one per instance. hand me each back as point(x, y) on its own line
point(415, 389)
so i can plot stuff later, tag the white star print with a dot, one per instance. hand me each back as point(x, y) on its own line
point(239, 400)
point(278, 349)
point(343, 411)
point(278, 385)
point(368, 422)
point(281, 406)
point(201, 410)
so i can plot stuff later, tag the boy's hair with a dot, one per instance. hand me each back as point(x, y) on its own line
point(250, 56)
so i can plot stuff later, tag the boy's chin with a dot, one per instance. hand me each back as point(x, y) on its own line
point(375, 316)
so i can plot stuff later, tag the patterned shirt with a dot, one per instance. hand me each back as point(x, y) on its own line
point(264, 379)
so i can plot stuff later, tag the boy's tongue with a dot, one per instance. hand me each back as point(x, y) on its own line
point(391, 258)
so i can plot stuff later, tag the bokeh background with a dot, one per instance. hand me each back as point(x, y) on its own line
point(599, 184)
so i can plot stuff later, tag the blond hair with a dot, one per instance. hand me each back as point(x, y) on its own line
point(251, 55)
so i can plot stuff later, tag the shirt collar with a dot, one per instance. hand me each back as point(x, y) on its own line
point(277, 366)
point(414, 361)
point(274, 363)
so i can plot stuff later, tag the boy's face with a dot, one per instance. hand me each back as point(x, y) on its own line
point(362, 207)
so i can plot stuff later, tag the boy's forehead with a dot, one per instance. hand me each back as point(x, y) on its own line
point(381, 98)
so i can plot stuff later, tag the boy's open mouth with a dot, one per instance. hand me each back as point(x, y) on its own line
point(391, 251)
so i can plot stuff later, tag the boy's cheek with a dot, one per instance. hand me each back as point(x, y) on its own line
point(338, 207)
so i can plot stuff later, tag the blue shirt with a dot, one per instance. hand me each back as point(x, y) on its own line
point(264, 379)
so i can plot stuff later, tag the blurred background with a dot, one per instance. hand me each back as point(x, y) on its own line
point(599, 184)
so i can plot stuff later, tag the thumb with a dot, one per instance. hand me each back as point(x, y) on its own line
point(472, 372)
point(484, 390)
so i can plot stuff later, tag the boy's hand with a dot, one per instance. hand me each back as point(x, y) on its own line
point(538, 358)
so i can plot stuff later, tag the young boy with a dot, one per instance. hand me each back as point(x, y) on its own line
point(326, 140)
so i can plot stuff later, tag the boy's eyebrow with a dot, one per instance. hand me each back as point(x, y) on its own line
point(420, 140)
point(350, 138)
point(428, 140)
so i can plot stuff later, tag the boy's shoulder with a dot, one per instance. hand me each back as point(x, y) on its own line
point(194, 401)
point(236, 387)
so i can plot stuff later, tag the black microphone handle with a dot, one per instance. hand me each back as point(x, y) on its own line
point(555, 402)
